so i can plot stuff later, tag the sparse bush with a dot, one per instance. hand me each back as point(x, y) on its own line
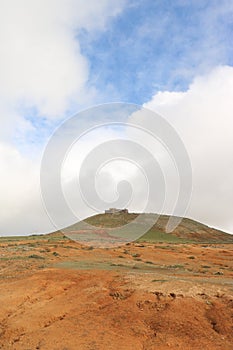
point(55, 254)
point(42, 266)
point(177, 266)
point(219, 273)
point(159, 281)
point(35, 256)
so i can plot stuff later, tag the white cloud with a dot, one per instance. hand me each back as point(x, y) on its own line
point(21, 207)
point(41, 64)
point(203, 117)
point(109, 171)
point(43, 73)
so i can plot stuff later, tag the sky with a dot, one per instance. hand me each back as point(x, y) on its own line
point(59, 58)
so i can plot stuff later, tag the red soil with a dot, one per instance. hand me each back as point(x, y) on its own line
point(166, 299)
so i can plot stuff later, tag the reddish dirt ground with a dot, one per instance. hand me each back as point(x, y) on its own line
point(59, 295)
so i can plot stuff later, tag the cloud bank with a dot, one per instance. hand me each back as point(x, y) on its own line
point(43, 78)
point(202, 116)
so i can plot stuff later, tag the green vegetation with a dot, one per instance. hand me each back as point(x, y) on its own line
point(176, 266)
point(105, 265)
point(154, 236)
point(111, 220)
point(15, 257)
point(159, 281)
point(51, 237)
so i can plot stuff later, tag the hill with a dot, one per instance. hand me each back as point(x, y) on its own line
point(187, 231)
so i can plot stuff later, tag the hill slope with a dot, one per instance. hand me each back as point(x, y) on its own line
point(187, 230)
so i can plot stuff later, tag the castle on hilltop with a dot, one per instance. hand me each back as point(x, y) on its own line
point(116, 211)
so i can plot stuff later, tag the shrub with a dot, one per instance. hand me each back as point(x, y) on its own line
point(55, 254)
point(35, 256)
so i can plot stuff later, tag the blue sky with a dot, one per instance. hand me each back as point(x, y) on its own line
point(158, 45)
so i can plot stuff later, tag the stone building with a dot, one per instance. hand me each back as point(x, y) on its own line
point(116, 211)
